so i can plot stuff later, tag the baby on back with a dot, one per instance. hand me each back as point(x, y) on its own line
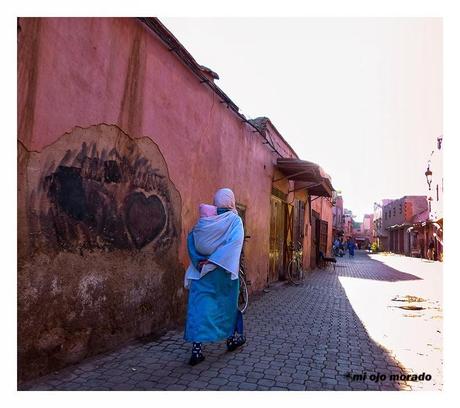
point(207, 210)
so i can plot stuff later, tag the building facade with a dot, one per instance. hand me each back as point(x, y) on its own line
point(363, 231)
point(121, 135)
point(398, 218)
point(347, 223)
point(433, 228)
point(379, 233)
point(337, 218)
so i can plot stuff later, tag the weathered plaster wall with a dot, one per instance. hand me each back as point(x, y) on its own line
point(105, 111)
point(99, 221)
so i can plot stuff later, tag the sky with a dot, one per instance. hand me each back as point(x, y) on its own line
point(362, 97)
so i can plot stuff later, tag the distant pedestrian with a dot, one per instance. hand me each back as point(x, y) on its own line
point(336, 247)
point(341, 248)
point(351, 248)
point(214, 247)
point(430, 251)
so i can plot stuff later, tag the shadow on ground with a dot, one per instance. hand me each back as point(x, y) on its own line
point(375, 269)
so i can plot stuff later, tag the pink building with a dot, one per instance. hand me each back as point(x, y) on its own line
point(361, 232)
point(348, 223)
point(337, 217)
point(121, 135)
point(398, 217)
point(367, 228)
point(380, 234)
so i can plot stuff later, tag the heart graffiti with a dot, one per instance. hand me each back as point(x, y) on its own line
point(145, 218)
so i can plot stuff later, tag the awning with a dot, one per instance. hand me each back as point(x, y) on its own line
point(306, 175)
point(399, 226)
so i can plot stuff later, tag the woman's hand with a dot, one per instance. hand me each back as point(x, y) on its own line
point(202, 263)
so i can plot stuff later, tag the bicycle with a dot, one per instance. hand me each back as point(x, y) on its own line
point(243, 296)
point(294, 268)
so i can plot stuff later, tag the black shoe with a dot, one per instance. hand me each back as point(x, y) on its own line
point(233, 344)
point(195, 359)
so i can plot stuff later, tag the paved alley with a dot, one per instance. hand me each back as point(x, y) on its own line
point(341, 329)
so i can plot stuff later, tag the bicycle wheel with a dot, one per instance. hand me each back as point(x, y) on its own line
point(243, 298)
point(297, 273)
point(294, 272)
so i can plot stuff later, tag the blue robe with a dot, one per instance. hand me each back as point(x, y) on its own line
point(351, 249)
point(212, 303)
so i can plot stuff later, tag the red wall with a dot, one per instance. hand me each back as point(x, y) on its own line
point(87, 73)
point(114, 71)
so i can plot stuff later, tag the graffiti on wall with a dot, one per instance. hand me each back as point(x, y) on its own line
point(98, 225)
point(102, 194)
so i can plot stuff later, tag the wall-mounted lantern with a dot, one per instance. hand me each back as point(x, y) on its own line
point(429, 176)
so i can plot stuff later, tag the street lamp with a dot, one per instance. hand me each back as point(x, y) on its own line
point(429, 176)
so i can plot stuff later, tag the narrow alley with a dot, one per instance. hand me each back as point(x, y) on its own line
point(341, 329)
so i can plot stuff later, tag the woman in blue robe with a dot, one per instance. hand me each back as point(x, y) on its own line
point(214, 247)
point(351, 248)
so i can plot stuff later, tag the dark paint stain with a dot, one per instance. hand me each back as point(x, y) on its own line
point(112, 172)
point(118, 203)
point(66, 188)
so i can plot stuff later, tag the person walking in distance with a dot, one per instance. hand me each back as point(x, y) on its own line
point(430, 251)
point(351, 247)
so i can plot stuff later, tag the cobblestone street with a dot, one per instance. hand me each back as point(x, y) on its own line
point(319, 335)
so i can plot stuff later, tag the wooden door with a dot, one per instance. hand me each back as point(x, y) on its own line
point(314, 238)
point(299, 218)
point(323, 237)
point(277, 239)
